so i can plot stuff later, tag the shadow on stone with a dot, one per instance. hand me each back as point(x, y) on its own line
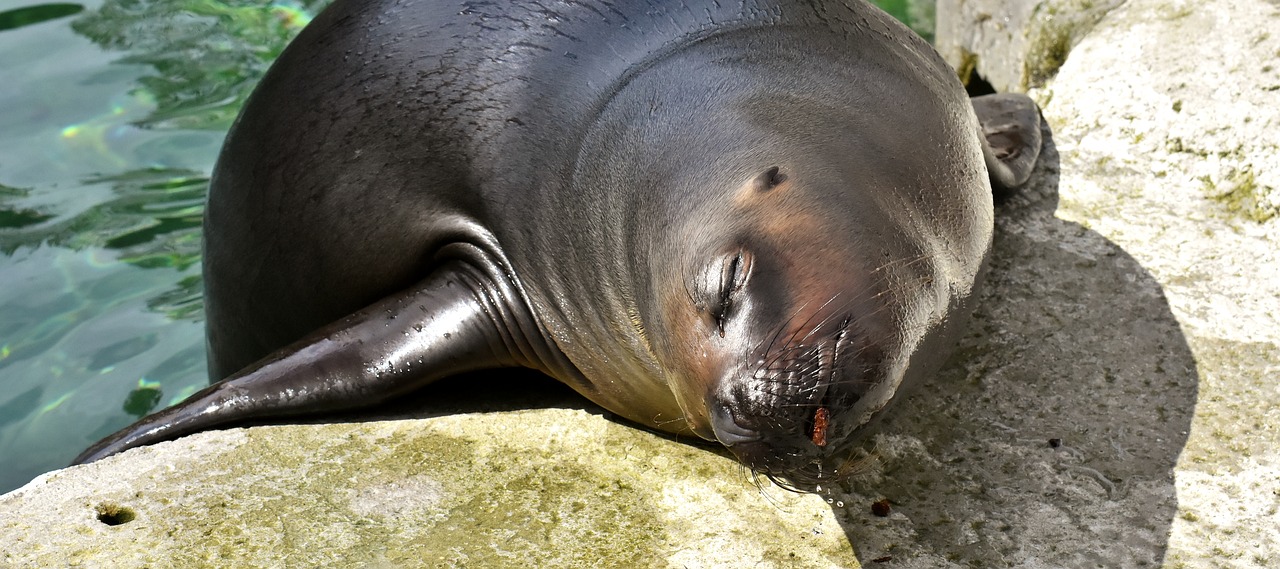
point(1051, 436)
point(477, 392)
point(494, 391)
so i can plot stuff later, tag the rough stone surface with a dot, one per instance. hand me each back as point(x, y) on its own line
point(1168, 118)
point(1115, 404)
point(531, 488)
point(1013, 44)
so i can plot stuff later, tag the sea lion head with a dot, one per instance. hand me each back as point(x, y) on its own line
point(803, 248)
point(811, 282)
point(786, 326)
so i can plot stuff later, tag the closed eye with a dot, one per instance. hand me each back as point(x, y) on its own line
point(733, 275)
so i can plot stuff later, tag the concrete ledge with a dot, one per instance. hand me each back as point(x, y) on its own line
point(535, 488)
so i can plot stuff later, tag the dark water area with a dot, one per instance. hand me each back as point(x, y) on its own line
point(111, 116)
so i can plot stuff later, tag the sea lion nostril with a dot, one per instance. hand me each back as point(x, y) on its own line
point(727, 430)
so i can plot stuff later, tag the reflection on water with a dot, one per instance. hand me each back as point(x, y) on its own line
point(205, 56)
point(29, 15)
point(152, 218)
point(118, 110)
point(114, 112)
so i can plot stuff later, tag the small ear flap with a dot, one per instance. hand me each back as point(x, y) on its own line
point(1010, 137)
point(769, 179)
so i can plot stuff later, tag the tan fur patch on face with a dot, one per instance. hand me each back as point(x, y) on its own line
point(694, 367)
point(782, 212)
point(820, 278)
point(751, 192)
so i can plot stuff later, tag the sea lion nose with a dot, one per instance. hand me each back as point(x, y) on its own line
point(727, 430)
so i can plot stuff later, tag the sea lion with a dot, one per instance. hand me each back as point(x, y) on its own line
point(754, 222)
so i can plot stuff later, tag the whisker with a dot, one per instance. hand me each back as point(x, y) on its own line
point(659, 422)
point(826, 355)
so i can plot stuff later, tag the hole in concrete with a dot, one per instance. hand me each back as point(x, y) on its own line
point(978, 85)
point(114, 515)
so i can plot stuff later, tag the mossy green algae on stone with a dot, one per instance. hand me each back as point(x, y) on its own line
point(539, 488)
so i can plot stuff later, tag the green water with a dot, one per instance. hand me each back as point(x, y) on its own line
point(111, 116)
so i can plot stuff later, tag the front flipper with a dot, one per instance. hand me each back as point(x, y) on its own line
point(1011, 137)
point(454, 321)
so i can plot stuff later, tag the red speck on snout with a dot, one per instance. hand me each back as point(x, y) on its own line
point(820, 419)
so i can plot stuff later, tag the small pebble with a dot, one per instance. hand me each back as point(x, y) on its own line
point(881, 508)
